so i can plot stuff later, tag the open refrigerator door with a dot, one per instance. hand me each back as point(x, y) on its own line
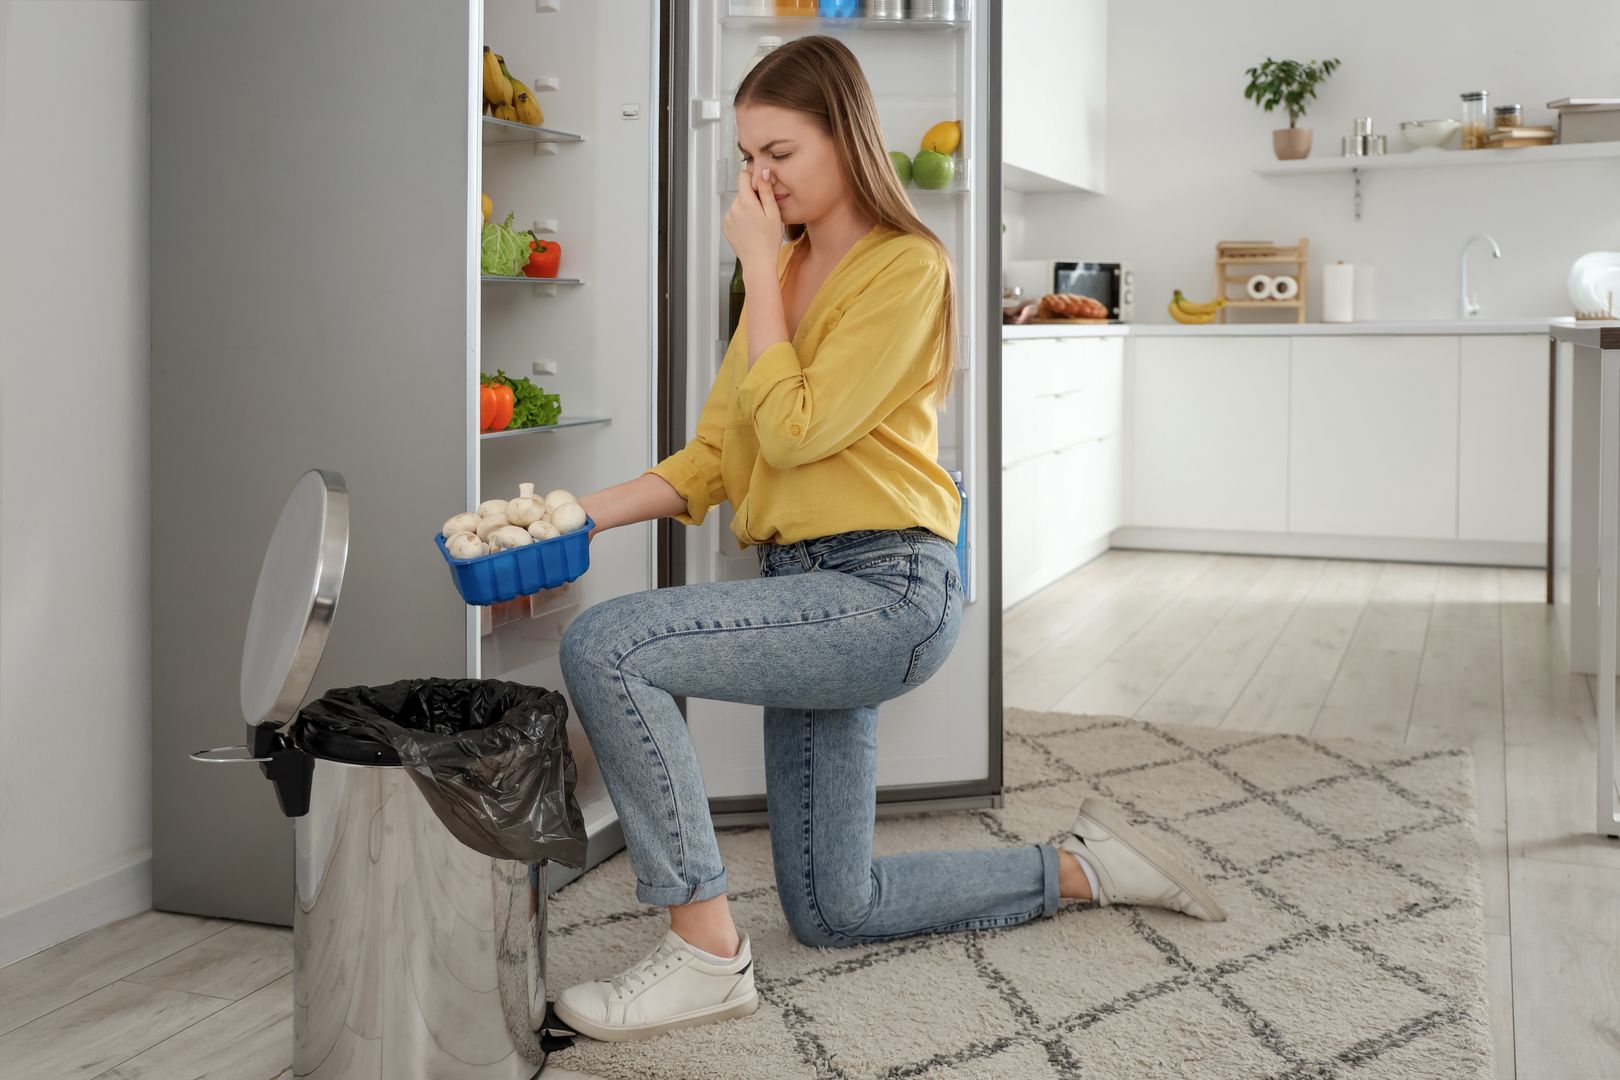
point(929, 63)
point(579, 173)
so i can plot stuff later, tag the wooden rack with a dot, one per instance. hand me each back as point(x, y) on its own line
point(1244, 256)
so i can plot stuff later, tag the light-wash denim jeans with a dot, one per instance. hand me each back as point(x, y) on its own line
point(832, 627)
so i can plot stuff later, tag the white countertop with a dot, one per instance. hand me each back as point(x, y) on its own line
point(1434, 326)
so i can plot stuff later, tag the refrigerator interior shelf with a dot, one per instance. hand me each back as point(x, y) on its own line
point(537, 282)
point(959, 186)
point(567, 421)
point(816, 23)
point(499, 132)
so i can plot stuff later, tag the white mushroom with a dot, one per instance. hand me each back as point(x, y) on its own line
point(465, 545)
point(487, 526)
point(459, 524)
point(491, 507)
point(558, 498)
point(525, 491)
point(509, 536)
point(524, 512)
point(568, 517)
point(544, 530)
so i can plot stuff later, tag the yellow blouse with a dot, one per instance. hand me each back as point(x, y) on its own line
point(835, 430)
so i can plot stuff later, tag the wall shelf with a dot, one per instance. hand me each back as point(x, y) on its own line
point(565, 422)
point(1440, 159)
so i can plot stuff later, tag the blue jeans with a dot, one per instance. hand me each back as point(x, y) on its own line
point(832, 627)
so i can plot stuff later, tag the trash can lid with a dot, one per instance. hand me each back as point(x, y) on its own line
point(295, 599)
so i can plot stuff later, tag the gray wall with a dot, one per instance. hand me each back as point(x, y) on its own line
point(75, 727)
point(311, 225)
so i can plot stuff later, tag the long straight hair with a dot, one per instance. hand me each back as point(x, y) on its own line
point(820, 77)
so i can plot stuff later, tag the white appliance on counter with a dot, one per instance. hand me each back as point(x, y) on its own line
point(939, 744)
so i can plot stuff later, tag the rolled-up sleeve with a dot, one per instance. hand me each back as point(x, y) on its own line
point(694, 470)
point(880, 353)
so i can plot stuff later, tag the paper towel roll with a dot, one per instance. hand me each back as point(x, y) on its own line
point(1259, 287)
point(1338, 292)
point(1284, 287)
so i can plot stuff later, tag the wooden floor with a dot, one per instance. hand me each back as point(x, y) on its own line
point(1426, 655)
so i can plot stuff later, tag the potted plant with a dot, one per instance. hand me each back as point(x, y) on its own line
point(1290, 84)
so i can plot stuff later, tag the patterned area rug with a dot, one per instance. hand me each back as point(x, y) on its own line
point(1354, 945)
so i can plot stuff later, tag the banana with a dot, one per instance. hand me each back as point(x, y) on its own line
point(506, 112)
point(497, 88)
point(1198, 309)
point(523, 103)
point(528, 112)
point(1189, 318)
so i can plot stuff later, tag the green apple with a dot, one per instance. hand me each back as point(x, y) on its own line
point(902, 166)
point(932, 169)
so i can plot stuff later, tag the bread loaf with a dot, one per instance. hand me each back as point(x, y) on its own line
point(1071, 306)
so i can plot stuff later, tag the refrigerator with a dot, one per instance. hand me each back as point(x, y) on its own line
point(318, 301)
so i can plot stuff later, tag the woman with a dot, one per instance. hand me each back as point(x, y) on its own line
point(822, 431)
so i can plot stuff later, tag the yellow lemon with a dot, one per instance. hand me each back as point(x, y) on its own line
point(489, 207)
point(944, 137)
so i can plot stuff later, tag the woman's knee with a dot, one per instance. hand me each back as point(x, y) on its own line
point(816, 924)
point(588, 639)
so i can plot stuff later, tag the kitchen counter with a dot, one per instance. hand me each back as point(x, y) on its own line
point(1448, 327)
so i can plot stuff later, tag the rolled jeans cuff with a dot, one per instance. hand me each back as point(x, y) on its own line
point(668, 895)
point(1049, 878)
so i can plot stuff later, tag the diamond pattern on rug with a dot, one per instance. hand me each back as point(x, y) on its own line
point(1354, 945)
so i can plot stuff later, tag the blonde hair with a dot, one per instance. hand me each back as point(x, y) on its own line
point(819, 76)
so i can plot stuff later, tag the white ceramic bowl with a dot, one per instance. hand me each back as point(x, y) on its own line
point(1429, 134)
point(1594, 283)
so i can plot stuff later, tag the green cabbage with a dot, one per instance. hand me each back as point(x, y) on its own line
point(503, 252)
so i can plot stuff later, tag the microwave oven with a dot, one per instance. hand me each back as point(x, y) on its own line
point(1111, 284)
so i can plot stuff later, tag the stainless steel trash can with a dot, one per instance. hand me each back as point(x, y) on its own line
point(414, 956)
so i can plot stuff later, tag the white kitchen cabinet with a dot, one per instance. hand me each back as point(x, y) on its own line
point(1053, 99)
point(1097, 469)
point(1023, 369)
point(1020, 575)
point(1062, 475)
point(1373, 446)
point(1209, 433)
point(1502, 478)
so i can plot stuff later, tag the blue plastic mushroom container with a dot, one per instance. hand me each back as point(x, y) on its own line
point(507, 575)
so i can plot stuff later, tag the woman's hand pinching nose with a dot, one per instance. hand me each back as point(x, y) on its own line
point(753, 224)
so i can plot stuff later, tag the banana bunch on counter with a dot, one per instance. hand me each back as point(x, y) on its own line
point(1185, 311)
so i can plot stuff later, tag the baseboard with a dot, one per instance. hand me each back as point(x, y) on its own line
point(115, 895)
point(1317, 546)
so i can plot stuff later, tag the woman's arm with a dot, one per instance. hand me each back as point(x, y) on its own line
point(645, 498)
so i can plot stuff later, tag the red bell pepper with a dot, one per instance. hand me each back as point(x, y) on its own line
point(545, 259)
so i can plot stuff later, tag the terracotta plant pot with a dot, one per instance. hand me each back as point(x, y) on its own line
point(1291, 143)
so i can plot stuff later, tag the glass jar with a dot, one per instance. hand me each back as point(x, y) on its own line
point(1475, 119)
point(1509, 116)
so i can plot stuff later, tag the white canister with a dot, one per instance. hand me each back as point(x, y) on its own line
point(1259, 287)
point(1338, 292)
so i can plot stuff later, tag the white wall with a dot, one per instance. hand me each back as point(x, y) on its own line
point(75, 769)
point(1182, 141)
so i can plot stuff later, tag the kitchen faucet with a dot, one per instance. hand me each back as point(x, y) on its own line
point(1470, 306)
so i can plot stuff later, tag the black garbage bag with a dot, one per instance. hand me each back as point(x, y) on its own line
point(490, 757)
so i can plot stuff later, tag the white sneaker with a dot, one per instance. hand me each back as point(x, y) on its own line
point(669, 988)
point(1131, 868)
